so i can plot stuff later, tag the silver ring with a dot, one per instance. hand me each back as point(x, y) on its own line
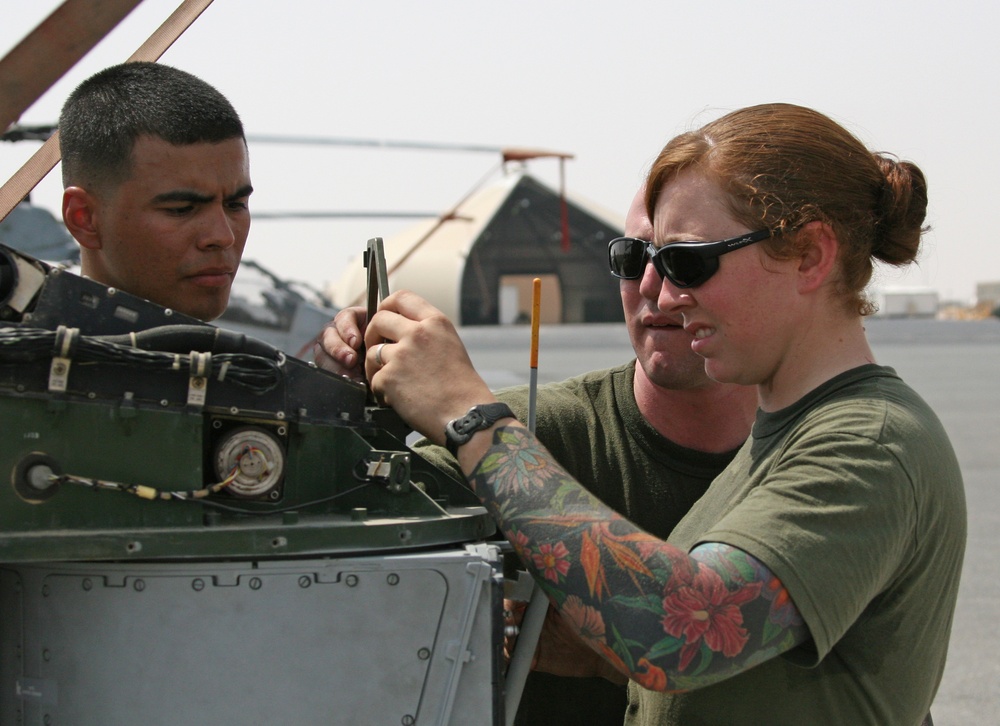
point(378, 354)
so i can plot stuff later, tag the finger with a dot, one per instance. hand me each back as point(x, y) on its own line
point(409, 305)
point(350, 324)
point(397, 315)
point(321, 358)
point(374, 362)
point(333, 349)
point(332, 354)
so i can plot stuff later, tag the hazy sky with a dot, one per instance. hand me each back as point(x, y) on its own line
point(607, 81)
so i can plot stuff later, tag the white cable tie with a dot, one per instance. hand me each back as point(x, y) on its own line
point(68, 335)
point(200, 364)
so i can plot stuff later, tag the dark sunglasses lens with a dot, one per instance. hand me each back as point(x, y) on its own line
point(684, 267)
point(627, 258)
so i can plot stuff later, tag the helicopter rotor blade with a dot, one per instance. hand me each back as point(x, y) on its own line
point(43, 160)
point(333, 214)
point(509, 153)
point(52, 48)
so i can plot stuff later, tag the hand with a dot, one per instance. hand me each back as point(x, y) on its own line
point(562, 652)
point(425, 373)
point(337, 346)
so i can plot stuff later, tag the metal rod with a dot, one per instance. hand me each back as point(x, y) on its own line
point(538, 605)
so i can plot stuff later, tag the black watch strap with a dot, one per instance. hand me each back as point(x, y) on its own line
point(460, 430)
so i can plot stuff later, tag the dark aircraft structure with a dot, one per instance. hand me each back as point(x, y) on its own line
point(197, 525)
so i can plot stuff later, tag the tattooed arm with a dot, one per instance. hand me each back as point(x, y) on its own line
point(667, 619)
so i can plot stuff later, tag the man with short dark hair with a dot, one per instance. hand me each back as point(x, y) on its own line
point(157, 181)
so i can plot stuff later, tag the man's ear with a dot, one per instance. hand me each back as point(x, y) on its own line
point(79, 211)
point(819, 245)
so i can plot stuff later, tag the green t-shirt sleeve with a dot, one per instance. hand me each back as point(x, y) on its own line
point(833, 521)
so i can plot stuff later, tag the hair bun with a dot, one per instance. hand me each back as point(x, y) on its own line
point(901, 210)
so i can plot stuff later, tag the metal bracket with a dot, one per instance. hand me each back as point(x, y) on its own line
point(391, 468)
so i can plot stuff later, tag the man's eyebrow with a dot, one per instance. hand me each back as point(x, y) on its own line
point(182, 195)
point(240, 193)
point(192, 197)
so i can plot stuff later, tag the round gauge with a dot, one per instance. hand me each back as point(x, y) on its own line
point(253, 457)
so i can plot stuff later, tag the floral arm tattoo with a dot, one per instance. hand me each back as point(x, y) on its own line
point(669, 620)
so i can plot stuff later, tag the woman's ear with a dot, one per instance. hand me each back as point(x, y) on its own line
point(79, 210)
point(819, 247)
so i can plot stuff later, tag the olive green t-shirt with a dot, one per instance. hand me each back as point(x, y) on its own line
point(592, 426)
point(854, 499)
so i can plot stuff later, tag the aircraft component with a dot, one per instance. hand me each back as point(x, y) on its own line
point(188, 504)
point(252, 461)
point(35, 478)
point(129, 436)
point(399, 638)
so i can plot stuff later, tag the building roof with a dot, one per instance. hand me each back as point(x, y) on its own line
point(508, 230)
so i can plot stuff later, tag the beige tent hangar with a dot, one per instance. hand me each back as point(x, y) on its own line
point(477, 266)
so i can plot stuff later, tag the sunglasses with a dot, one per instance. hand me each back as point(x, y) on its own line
point(685, 264)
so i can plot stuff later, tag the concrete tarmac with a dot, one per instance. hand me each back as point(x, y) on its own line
point(954, 365)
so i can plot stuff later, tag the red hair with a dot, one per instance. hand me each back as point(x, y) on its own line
point(782, 166)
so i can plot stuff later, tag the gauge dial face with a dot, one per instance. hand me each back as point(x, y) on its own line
point(252, 458)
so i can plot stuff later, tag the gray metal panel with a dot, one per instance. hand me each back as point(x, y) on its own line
point(376, 640)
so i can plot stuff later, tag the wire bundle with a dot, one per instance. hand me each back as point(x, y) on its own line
point(256, 373)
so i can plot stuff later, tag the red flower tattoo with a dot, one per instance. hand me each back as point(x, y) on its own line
point(705, 610)
point(552, 560)
point(522, 545)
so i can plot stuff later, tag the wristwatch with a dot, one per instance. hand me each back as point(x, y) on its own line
point(460, 430)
